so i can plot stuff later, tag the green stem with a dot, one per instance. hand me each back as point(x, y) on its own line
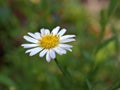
point(59, 66)
point(117, 4)
point(64, 71)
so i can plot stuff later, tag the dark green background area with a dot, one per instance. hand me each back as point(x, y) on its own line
point(94, 63)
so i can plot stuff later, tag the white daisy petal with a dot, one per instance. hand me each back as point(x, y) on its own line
point(29, 39)
point(47, 31)
point(42, 31)
point(59, 50)
point(67, 48)
point(37, 35)
point(66, 37)
point(42, 53)
point(29, 45)
point(34, 51)
point(67, 40)
point(32, 35)
point(55, 30)
point(48, 58)
point(52, 54)
point(65, 45)
point(62, 32)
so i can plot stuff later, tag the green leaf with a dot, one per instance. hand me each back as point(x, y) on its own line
point(88, 84)
point(6, 80)
point(104, 43)
point(112, 6)
point(103, 20)
point(116, 86)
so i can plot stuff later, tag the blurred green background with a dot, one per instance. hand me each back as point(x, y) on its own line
point(94, 63)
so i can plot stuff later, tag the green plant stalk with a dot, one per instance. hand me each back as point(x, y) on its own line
point(117, 4)
point(61, 69)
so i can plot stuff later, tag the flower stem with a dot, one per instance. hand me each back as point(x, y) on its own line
point(59, 66)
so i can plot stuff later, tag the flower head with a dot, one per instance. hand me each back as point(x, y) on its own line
point(48, 43)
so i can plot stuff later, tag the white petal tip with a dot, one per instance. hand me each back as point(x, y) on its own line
point(41, 55)
point(74, 40)
point(29, 33)
point(26, 52)
point(22, 45)
point(30, 54)
point(74, 35)
point(70, 50)
point(48, 61)
point(24, 37)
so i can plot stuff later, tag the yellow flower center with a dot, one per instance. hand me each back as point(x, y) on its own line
point(49, 41)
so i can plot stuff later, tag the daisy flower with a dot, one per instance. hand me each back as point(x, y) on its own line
point(48, 43)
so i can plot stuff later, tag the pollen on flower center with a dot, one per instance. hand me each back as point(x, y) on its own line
point(49, 41)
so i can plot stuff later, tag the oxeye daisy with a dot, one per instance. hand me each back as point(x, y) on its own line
point(48, 43)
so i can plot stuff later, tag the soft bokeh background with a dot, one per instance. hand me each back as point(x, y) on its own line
point(94, 63)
